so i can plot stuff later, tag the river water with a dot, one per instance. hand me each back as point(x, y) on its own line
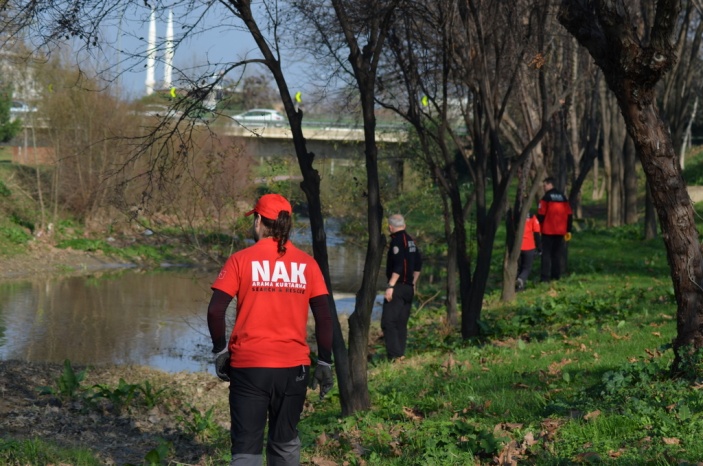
point(155, 318)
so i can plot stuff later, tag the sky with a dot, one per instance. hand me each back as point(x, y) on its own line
point(218, 39)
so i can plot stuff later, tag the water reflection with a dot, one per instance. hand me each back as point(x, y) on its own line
point(131, 317)
point(154, 319)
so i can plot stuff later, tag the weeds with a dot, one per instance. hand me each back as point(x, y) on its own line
point(119, 397)
point(201, 425)
point(67, 384)
point(152, 396)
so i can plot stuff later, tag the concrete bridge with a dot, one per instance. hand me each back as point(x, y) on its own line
point(326, 142)
point(335, 149)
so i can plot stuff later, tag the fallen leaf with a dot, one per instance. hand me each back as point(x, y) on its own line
point(529, 439)
point(555, 367)
point(510, 455)
point(449, 363)
point(657, 334)
point(506, 426)
point(592, 415)
point(317, 461)
point(671, 441)
point(412, 414)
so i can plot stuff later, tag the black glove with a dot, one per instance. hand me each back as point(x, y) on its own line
point(323, 375)
point(222, 364)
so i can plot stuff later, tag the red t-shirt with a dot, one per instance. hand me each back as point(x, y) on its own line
point(528, 237)
point(272, 295)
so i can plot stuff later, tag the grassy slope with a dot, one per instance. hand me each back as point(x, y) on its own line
point(570, 371)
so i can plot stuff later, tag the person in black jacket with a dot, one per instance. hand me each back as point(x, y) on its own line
point(402, 270)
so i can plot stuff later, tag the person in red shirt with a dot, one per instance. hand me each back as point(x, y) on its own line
point(531, 246)
point(267, 359)
point(555, 219)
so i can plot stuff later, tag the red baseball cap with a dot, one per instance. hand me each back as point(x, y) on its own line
point(269, 205)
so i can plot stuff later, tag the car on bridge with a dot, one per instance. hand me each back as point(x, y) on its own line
point(260, 116)
point(20, 108)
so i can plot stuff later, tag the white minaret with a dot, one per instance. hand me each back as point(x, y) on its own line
point(168, 55)
point(151, 55)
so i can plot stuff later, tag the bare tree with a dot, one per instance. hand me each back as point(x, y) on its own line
point(416, 83)
point(634, 59)
point(498, 47)
point(352, 34)
point(682, 86)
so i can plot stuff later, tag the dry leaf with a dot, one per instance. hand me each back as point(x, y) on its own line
point(555, 367)
point(592, 415)
point(507, 426)
point(449, 363)
point(657, 334)
point(671, 441)
point(529, 439)
point(321, 439)
point(412, 414)
point(510, 455)
point(317, 461)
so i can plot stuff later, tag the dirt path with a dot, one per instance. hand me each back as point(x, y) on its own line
point(41, 259)
point(116, 434)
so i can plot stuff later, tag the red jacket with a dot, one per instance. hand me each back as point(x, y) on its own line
point(531, 234)
point(554, 213)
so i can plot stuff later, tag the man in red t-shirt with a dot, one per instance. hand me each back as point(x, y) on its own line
point(267, 358)
point(531, 246)
point(555, 220)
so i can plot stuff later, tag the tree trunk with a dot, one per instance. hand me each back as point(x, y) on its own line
point(632, 66)
point(452, 266)
point(650, 215)
point(630, 186)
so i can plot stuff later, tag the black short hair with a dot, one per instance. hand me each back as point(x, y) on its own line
point(549, 179)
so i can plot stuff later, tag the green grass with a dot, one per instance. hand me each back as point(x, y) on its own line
point(39, 452)
point(5, 154)
point(572, 372)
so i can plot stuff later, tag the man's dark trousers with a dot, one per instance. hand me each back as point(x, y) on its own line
point(394, 321)
point(552, 250)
